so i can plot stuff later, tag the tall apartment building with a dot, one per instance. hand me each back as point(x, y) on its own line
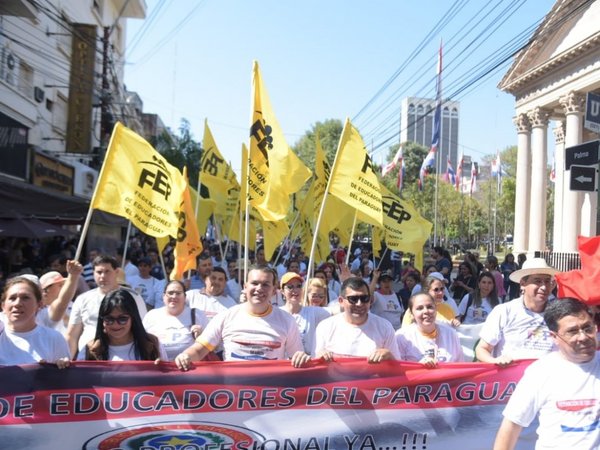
point(61, 90)
point(416, 125)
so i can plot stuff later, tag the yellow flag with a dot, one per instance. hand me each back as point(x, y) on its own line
point(138, 183)
point(206, 208)
point(353, 179)
point(275, 171)
point(305, 228)
point(405, 229)
point(188, 245)
point(273, 234)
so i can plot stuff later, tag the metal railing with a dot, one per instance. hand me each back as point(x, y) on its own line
point(561, 261)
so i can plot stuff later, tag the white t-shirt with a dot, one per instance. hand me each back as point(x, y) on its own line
point(388, 307)
point(475, 314)
point(342, 338)
point(234, 289)
point(414, 346)
point(247, 337)
point(566, 396)
point(127, 352)
point(85, 311)
point(30, 347)
point(173, 332)
point(516, 331)
point(307, 319)
point(209, 304)
point(43, 318)
point(150, 289)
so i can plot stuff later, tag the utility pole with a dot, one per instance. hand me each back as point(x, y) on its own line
point(105, 119)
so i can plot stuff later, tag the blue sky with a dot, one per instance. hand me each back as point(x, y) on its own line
point(322, 60)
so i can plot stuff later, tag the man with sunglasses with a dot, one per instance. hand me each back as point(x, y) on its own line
point(355, 331)
point(516, 329)
point(562, 387)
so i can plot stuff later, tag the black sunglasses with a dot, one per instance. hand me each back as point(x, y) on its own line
point(354, 299)
point(121, 320)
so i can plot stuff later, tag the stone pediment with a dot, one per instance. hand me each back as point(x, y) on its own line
point(569, 31)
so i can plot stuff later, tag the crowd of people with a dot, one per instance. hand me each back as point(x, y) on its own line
point(128, 310)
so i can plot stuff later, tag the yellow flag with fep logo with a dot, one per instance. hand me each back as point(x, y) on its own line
point(188, 245)
point(353, 178)
point(275, 172)
point(138, 183)
point(405, 229)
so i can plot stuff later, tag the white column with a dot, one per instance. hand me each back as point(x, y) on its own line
point(521, 228)
point(559, 185)
point(572, 104)
point(539, 166)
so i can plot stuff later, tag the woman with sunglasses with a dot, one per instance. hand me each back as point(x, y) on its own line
point(307, 316)
point(426, 340)
point(476, 306)
point(176, 325)
point(120, 334)
point(446, 307)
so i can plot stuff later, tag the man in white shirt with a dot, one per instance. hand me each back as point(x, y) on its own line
point(356, 331)
point(253, 330)
point(147, 287)
point(563, 387)
point(212, 299)
point(84, 314)
point(516, 329)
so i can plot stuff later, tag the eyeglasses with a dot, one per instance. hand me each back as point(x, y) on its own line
point(588, 330)
point(354, 299)
point(291, 287)
point(121, 320)
point(321, 296)
point(438, 289)
point(173, 293)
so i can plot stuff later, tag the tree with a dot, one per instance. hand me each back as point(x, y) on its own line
point(329, 131)
point(181, 150)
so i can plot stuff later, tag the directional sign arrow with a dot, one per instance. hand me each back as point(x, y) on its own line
point(583, 179)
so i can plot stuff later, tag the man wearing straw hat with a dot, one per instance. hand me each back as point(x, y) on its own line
point(516, 329)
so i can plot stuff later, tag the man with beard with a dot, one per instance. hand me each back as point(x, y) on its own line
point(356, 331)
point(253, 330)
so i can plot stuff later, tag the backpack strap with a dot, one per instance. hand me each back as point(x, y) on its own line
point(469, 303)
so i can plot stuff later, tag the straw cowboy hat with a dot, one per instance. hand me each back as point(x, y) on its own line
point(533, 266)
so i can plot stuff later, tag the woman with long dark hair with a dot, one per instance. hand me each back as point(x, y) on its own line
point(120, 334)
point(476, 306)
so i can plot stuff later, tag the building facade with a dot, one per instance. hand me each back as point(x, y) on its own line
point(61, 90)
point(550, 79)
point(416, 125)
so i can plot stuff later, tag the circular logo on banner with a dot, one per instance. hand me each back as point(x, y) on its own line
point(175, 436)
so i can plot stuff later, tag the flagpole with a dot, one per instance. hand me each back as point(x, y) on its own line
point(162, 263)
point(351, 239)
point(126, 244)
point(322, 209)
point(286, 238)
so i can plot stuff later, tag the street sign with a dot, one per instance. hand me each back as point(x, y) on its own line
point(585, 154)
point(592, 112)
point(583, 178)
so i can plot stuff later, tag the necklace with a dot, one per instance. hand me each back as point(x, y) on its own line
point(431, 335)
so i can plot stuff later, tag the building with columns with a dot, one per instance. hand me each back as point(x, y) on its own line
point(550, 79)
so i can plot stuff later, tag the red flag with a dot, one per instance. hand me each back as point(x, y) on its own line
point(582, 284)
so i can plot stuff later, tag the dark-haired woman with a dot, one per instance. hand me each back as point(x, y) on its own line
point(476, 306)
point(120, 335)
point(23, 341)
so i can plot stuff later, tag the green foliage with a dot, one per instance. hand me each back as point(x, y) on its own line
point(329, 131)
point(181, 150)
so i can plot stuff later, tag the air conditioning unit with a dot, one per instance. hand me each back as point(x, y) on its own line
point(38, 94)
point(10, 67)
